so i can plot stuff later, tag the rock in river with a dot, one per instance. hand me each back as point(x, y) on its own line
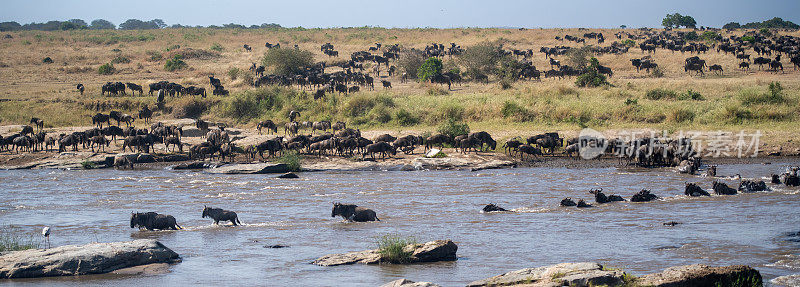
point(408, 283)
point(94, 258)
point(701, 275)
point(433, 251)
point(564, 274)
point(250, 168)
point(288, 175)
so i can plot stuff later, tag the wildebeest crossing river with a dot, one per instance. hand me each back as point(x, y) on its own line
point(95, 205)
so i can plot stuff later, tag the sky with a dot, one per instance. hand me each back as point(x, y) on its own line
point(405, 13)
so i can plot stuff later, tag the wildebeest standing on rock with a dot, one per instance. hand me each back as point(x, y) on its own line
point(219, 214)
point(152, 221)
point(352, 212)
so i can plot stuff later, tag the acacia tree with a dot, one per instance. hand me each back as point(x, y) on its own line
point(677, 20)
point(101, 24)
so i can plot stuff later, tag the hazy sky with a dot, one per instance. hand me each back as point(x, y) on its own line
point(405, 13)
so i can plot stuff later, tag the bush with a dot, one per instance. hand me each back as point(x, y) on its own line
point(120, 60)
point(188, 108)
point(175, 64)
point(291, 159)
point(657, 94)
point(481, 59)
point(453, 128)
point(12, 240)
point(749, 38)
point(736, 114)
point(87, 164)
point(155, 56)
point(233, 73)
point(431, 67)
point(681, 115)
point(505, 84)
point(47, 60)
point(691, 36)
point(691, 95)
point(437, 91)
point(657, 72)
point(629, 43)
point(515, 111)
point(217, 47)
point(409, 63)
point(773, 97)
point(106, 69)
point(392, 248)
point(592, 78)
point(250, 104)
point(405, 118)
point(711, 36)
point(579, 57)
point(362, 104)
point(288, 61)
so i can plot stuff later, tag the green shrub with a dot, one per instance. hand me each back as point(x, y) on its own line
point(431, 67)
point(711, 36)
point(234, 72)
point(47, 60)
point(515, 111)
point(737, 114)
point(381, 114)
point(362, 104)
point(749, 38)
point(453, 128)
point(106, 69)
point(691, 95)
point(288, 61)
point(291, 159)
point(657, 72)
point(175, 64)
point(773, 97)
point(592, 78)
point(658, 94)
point(691, 36)
point(405, 118)
point(392, 248)
point(681, 115)
point(11, 239)
point(505, 84)
point(119, 59)
point(631, 102)
point(217, 47)
point(629, 43)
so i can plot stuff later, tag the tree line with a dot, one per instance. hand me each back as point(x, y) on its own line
point(102, 24)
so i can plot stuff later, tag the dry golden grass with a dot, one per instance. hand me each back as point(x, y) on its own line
point(30, 88)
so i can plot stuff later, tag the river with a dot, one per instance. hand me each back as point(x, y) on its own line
point(83, 206)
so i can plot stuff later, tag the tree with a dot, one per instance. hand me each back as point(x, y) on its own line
point(73, 24)
point(101, 24)
point(431, 67)
point(481, 60)
point(623, 26)
point(288, 62)
point(135, 24)
point(78, 22)
point(10, 26)
point(677, 20)
point(732, 25)
point(158, 23)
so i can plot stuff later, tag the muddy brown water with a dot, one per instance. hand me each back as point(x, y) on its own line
point(85, 206)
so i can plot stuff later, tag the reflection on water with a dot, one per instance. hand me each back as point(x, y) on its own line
point(86, 206)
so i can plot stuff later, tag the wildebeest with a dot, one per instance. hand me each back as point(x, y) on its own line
point(267, 124)
point(386, 84)
point(80, 88)
point(152, 221)
point(382, 148)
point(247, 47)
point(491, 207)
point(723, 189)
point(747, 186)
point(293, 115)
point(437, 140)
point(529, 150)
point(567, 202)
point(101, 141)
point(643, 196)
point(219, 214)
point(694, 190)
point(134, 88)
point(717, 69)
point(214, 81)
point(145, 114)
point(352, 212)
point(744, 66)
point(38, 123)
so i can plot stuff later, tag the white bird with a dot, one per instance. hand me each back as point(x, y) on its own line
point(46, 234)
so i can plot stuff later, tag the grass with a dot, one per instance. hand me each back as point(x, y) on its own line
point(87, 164)
point(291, 159)
point(12, 239)
point(391, 247)
point(742, 281)
point(738, 100)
